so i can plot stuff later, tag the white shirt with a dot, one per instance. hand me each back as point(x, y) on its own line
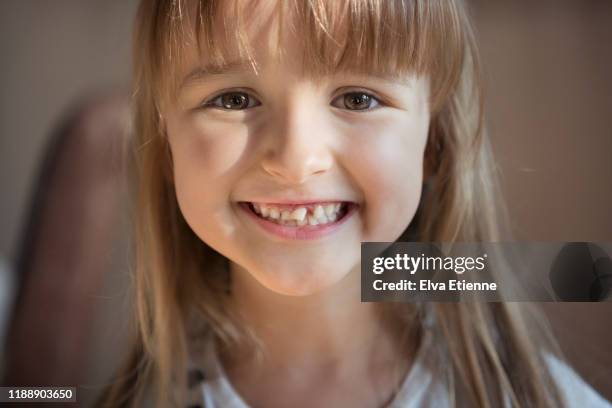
point(212, 388)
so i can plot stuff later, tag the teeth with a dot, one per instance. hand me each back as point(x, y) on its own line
point(319, 212)
point(299, 216)
point(274, 213)
point(312, 220)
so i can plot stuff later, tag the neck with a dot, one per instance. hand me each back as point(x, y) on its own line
point(321, 331)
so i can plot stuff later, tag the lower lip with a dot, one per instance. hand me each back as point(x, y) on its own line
point(306, 232)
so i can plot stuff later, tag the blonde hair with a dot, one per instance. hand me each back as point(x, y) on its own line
point(493, 347)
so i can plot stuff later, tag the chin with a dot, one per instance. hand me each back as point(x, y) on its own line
point(305, 282)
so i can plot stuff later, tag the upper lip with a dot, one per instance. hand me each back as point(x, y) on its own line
point(281, 201)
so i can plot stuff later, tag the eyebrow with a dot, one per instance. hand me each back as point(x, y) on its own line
point(200, 73)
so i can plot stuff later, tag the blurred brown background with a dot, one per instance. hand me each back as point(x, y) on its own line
point(549, 104)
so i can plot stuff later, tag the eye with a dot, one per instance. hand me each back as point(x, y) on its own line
point(356, 101)
point(235, 100)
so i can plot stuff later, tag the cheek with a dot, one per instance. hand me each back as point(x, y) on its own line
point(208, 147)
point(387, 164)
point(205, 159)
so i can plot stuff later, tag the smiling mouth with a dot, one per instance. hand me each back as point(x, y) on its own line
point(300, 215)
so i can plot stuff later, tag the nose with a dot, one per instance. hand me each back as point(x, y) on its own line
point(299, 147)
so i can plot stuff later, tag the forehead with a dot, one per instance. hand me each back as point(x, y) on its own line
point(313, 38)
point(245, 37)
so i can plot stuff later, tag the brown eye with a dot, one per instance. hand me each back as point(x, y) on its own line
point(356, 101)
point(234, 101)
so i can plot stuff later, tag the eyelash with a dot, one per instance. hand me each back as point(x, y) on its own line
point(211, 103)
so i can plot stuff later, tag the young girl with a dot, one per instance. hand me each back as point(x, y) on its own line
point(271, 139)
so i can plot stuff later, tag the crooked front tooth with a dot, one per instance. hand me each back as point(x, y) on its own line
point(299, 214)
point(285, 216)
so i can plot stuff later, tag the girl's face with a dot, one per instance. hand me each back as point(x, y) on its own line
point(286, 174)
